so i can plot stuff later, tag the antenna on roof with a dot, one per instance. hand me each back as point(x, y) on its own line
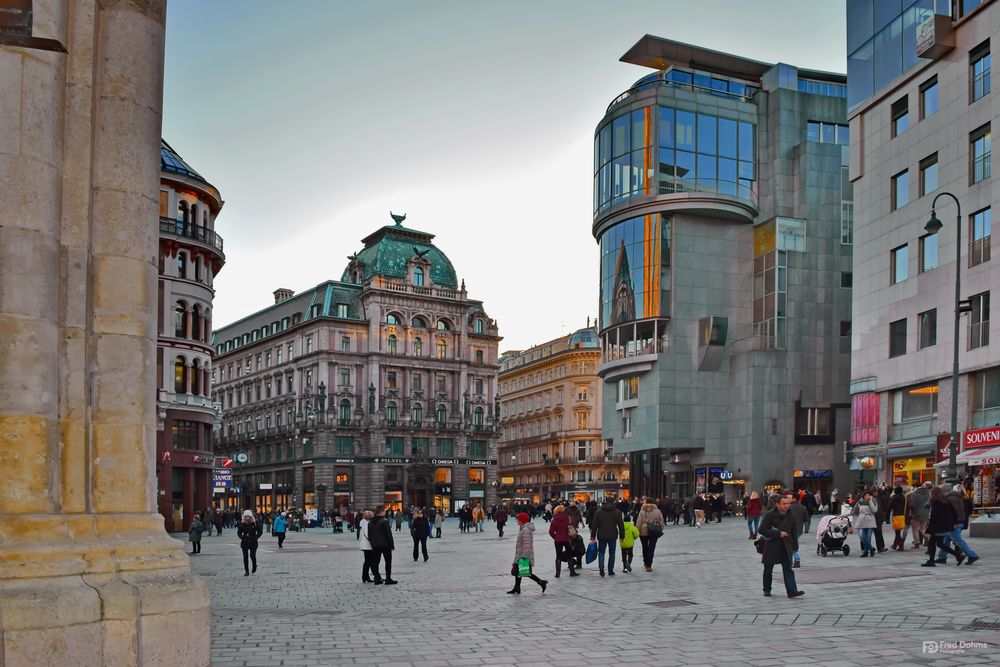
point(398, 218)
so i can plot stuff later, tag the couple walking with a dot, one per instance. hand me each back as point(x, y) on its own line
point(610, 524)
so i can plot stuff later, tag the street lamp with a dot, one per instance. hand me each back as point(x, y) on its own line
point(933, 226)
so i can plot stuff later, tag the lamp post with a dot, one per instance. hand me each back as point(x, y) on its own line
point(933, 226)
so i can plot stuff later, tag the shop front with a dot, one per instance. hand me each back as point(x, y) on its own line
point(910, 463)
point(393, 488)
point(343, 488)
point(981, 455)
point(443, 490)
point(813, 480)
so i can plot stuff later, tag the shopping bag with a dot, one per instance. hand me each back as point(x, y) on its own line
point(592, 552)
point(523, 567)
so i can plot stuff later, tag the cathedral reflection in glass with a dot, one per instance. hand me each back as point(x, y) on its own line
point(635, 270)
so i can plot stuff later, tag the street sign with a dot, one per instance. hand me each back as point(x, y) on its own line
point(222, 478)
point(227, 463)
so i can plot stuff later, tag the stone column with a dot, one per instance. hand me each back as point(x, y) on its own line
point(87, 573)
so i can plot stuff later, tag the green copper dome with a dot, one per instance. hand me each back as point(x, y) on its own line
point(387, 251)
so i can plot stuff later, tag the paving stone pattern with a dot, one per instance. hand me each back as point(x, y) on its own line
point(701, 605)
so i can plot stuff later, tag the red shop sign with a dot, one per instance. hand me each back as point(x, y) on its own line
point(983, 437)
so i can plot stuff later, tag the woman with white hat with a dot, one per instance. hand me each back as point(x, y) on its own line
point(249, 533)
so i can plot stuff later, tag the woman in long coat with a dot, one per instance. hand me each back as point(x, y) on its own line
point(525, 548)
point(777, 529)
point(249, 533)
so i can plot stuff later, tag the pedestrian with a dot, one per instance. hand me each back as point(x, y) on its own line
point(607, 528)
point(627, 543)
point(380, 536)
point(479, 517)
point(366, 548)
point(940, 524)
point(279, 527)
point(865, 510)
point(438, 522)
point(194, 534)
point(799, 514)
point(897, 516)
point(649, 524)
point(420, 530)
point(754, 509)
point(500, 517)
point(957, 498)
point(358, 516)
point(560, 531)
point(698, 505)
point(834, 502)
point(718, 507)
point(524, 548)
point(881, 496)
point(398, 516)
point(777, 529)
point(249, 533)
point(208, 520)
point(918, 508)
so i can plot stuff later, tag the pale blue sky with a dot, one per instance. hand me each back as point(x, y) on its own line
point(476, 119)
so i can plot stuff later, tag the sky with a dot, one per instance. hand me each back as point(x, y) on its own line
point(475, 118)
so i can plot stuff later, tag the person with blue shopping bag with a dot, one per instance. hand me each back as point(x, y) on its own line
point(607, 528)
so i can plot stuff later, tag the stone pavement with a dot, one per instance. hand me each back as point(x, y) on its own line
point(701, 605)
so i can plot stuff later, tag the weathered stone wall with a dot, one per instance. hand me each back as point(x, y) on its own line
point(87, 574)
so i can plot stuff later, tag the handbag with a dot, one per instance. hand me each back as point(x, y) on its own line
point(654, 528)
point(571, 531)
point(591, 552)
point(523, 567)
point(898, 522)
point(759, 544)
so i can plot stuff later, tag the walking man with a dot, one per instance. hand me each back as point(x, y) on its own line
point(380, 536)
point(777, 529)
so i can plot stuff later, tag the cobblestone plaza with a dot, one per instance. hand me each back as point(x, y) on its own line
point(701, 605)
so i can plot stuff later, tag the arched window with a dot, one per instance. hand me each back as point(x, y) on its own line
point(442, 348)
point(391, 319)
point(208, 324)
point(182, 214)
point(345, 412)
point(418, 346)
point(196, 322)
point(390, 413)
point(196, 377)
point(194, 220)
point(180, 320)
point(418, 276)
point(477, 419)
point(419, 323)
point(418, 414)
point(391, 344)
point(478, 325)
point(442, 325)
point(197, 269)
point(180, 376)
point(610, 477)
point(182, 264)
point(442, 414)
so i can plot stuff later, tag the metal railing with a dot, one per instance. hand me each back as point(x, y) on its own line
point(646, 85)
point(188, 230)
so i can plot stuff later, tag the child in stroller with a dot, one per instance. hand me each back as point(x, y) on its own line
point(831, 534)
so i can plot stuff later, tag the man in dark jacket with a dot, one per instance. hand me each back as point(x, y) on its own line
point(956, 498)
point(607, 528)
point(500, 516)
point(799, 515)
point(380, 536)
point(777, 529)
point(881, 516)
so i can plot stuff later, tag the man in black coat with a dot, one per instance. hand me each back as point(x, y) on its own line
point(380, 536)
point(777, 529)
point(606, 529)
point(881, 516)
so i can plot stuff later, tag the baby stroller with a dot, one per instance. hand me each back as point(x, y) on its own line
point(338, 524)
point(832, 535)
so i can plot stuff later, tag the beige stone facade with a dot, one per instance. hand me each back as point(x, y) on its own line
point(87, 574)
point(550, 407)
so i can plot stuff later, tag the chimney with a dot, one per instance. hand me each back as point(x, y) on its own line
point(283, 294)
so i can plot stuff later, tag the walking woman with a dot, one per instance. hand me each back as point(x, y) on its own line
point(438, 521)
point(525, 548)
point(865, 510)
point(249, 533)
point(650, 525)
point(278, 528)
point(194, 531)
point(754, 509)
point(420, 530)
point(559, 531)
point(897, 514)
point(366, 548)
point(940, 524)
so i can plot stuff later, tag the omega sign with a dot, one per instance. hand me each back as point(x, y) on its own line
point(984, 437)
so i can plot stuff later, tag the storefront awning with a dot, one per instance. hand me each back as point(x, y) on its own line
point(980, 456)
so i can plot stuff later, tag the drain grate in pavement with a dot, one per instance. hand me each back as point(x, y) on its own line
point(671, 603)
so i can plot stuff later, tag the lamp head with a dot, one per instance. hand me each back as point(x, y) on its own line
point(933, 225)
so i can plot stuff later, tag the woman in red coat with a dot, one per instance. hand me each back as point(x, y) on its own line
point(559, 532)
point(753, 511)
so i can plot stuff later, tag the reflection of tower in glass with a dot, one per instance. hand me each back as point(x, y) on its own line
point(623, 305)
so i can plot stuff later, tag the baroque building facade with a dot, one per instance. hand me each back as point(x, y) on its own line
point(550, 424)
point(378, 388)
point(190, 257)
point(921, 110)
point(723, 215)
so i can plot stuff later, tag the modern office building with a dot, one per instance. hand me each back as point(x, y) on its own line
point(550, 424)
point(378, 388)
point(723, 214)
point(921, 113)
point(190, 257)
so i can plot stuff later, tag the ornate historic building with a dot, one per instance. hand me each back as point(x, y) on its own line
point(379, 388)
point(190, 257)
point(550, 424)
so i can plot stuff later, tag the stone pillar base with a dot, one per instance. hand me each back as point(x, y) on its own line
point(125, 598)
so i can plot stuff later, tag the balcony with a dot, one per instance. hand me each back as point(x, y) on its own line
point(590, 460)
point(188, 231)
point(419, 290)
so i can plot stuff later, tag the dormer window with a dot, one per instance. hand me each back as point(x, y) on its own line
point(478, 325)
point(418, 276)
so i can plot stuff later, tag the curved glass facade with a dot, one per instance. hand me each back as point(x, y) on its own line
point(635, 270)
point(691, 151)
